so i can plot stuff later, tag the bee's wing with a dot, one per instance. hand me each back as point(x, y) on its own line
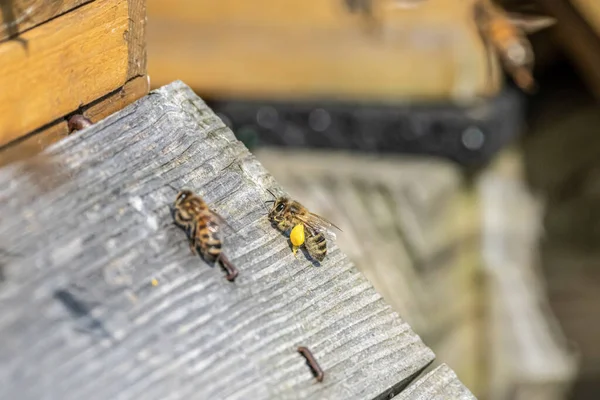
point(221, 220)
point(530, 23)
point(318, 223)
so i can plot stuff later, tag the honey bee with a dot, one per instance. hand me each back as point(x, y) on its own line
point(307, 229)
point(203, 228)
point(505, 33)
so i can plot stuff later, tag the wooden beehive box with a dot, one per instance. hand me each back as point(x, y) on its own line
point(295, 49)
point(65, 57)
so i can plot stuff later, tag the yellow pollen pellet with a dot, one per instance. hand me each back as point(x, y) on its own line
point(297, 235)
point(154, 282)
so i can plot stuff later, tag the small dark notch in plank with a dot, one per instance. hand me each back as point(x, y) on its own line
point(78, 122)
point(79, 310)
point(312, 363)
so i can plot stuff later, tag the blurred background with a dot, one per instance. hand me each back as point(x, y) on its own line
point(470, 204)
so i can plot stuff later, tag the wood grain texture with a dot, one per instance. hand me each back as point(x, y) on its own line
point(17, 16)
point(113, 102)
point(317, 48)
point(68, 62)
point(136, 39)
point(106, 232)
point(439, 384)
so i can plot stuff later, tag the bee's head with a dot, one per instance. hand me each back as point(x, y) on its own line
point(182, 196)
point(279, 207)
point(176, 208)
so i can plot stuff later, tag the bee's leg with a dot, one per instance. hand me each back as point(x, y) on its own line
point(231, 270)
point(192, 239)
point(490, 65)
point(193, 247)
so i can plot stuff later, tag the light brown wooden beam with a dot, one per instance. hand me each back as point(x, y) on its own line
point(70, 62)
point(136, 39)
point(17, 16)
point(316, 48)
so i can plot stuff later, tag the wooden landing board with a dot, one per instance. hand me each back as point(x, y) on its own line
point(99, 228)
point(441, 383)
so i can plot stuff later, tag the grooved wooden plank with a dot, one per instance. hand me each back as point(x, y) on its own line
point(68, 62)
point(17, 16)
point(105, 233)
point(439, 384)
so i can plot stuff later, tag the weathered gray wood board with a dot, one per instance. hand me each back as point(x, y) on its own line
point(439, 384)
point(99, 227)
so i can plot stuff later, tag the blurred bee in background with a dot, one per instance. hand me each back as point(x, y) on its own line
point(307, 229)
point(505, 33)
point(203, 228)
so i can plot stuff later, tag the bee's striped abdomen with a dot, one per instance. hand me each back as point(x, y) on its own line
point(208, 238)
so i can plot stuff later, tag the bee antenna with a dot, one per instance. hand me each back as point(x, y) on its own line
point(172, 187)
point(269, 190)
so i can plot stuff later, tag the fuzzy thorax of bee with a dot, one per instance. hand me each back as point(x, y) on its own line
point(281, 214)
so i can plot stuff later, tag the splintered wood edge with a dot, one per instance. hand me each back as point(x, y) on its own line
point(441, 383)
point(31, 144)
point(135, 67)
